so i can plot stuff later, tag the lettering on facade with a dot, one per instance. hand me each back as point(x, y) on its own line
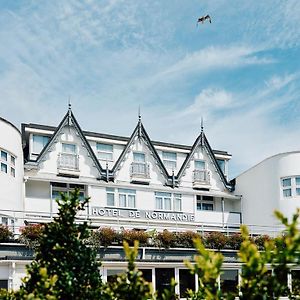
point(142, 214)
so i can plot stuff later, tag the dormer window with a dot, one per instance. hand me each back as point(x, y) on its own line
point(105, 151)
point(221, 163)
point(201, 174)
point(68, 148)
point(38, 143)
point(140, 169)
point(68, 159)
point(170, 160)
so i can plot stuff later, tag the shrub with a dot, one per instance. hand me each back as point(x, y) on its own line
point(104, 236)
point(235, 241)
point(215, 240)
point(31, 234)
point(135, 235)
point(260, 241)
point(186, 239)
point(166, 239)
point(5, 234)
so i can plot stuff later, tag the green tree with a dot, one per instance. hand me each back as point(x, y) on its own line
point(69, 263)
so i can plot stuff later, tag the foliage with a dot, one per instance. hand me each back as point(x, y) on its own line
point(104, 236)
point(260, 241)
point(63, 253)
point(5, 234)
point(165, 239)
point(208, 268)
point(130, 236)
point(234, 241)
point(186, 239)
point(215, 240)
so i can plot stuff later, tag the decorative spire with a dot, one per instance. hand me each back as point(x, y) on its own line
point(202, 124)
point(69, 111)
point(140, 122)
point(201, 135)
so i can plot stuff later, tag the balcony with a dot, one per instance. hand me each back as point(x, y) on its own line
point(140, 172)
point(201, 178)
point(68, 163)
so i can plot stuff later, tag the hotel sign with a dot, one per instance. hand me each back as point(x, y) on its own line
point(119, 213)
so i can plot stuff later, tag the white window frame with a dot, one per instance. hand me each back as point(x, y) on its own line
point(201, 201)
point(167, 197)
point(32, 143)
point(69, 143)
point(110, 191)
point(105, 152)
point(200, 160)
point(290, 187)
point(127, 193)
point(67, 189)
point(169, 163)
point(9, 162)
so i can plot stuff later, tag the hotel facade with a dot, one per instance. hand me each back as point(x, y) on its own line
point(136, 183)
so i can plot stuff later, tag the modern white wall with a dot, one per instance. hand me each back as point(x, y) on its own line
point(11, 195)
point(261, 189)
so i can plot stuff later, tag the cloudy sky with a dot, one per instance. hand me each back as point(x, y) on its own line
point(241, 72)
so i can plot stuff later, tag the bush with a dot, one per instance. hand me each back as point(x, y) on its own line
point(260, 241)
point(235, 241)
point(166, 239)
point(215, 240)
point(5, 234)
point(104, 236)
point(186, 239)
point(31, 234)
point(135, 235)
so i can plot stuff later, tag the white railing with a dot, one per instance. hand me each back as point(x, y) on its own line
point(201, 176)
point(68, 161)
point(141, 170)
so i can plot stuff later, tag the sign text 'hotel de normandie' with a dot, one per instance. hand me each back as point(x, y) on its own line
point(141, 214)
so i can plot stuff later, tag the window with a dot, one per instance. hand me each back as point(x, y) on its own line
point(110, 197)
point(61, 187)
point(139, 157)
point(126, 198)
point(3, 168)
point(105, 151)
point(221, 163)
point(163, 201)
point(3, 155)
point(229, 281)
point(186, 282)
point(205, 202)
point(12, 172)
point(169, 159)
point(8, 162)
point(39, 142)
point(199, 165)
point(177, 202)
point(69, 148)
point(287, 187)
point(297, 182)
point(12, 160)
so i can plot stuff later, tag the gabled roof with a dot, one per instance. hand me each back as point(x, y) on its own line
point(70, 120)
point(141, 133)
point(203, 142)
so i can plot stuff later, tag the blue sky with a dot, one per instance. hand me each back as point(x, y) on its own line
point(241, 72)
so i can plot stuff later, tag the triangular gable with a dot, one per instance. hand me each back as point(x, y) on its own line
point(141, 133)
point(202, 141)
point(68, 120)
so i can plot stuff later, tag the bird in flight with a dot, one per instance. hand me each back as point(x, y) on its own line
point(204, 18)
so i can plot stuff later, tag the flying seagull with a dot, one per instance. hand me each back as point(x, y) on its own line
point(204, 18)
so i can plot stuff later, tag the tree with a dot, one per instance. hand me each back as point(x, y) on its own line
point(62, 257)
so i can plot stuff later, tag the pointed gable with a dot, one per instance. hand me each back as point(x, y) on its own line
point(202, 142)
point(140, 133)
point(70, 121)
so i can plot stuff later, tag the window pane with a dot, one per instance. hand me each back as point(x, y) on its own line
point(207, 206)
point(39, 142)
point(122, 200)
point(4, 155)
point(286, 182)
point(104, 147)
point(13, 160)
point(296, 282)
point(126, 191)
point(3, 168)
point(131, 200)
point(161, 194)
point(158, 203)
point(147, 274)
point(69, 148)
point(287, 193)
point(167, 203)
point(170, 164)
point(187, 282)
point(163, 278)
point(55, 195)
point(297, 180)
point(199, 165)
point(4, 284)
point(138, 157)
point(169, 155)
point(297, 191)
point(177, 204)
point(112, 275)
point(12, 172)
point(221, 163)
point(105, 156)
point(110, 199)
point(229, 281)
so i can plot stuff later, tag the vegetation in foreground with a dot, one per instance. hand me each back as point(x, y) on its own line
point(65, 266)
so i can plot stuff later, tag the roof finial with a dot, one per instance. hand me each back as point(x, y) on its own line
point(139, 112)
point(140, 123)
point(202, 124)
point(69, 111)
point(69, 103)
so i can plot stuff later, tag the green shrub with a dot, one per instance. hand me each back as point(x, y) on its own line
point(235, 241)
point(104, 236)
point(260, 241)
point(31, 235)
point(215, 240)
point(166, 239)
point(186, 239)
point(135, 235)
point(5, 234)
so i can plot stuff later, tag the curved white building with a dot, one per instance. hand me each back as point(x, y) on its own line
point(273, 184)
point(11, 171)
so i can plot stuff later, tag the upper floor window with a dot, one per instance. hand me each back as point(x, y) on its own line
point(167, 201)
point(39, 142)
point(199, 165)
point(126, 197)
point(205, 202)
point(60, 187)
point(169, 159)
point(139, 157)
point(8, 162)
point(105, 151)
point(221, 163)
point(110, 196)
point(68, 148)
point(286, 187)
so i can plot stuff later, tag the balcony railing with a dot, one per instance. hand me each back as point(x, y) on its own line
point(68, 161)
point(201, 177)
point(140, 170)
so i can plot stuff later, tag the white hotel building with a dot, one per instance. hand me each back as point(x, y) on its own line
point(136, 183)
